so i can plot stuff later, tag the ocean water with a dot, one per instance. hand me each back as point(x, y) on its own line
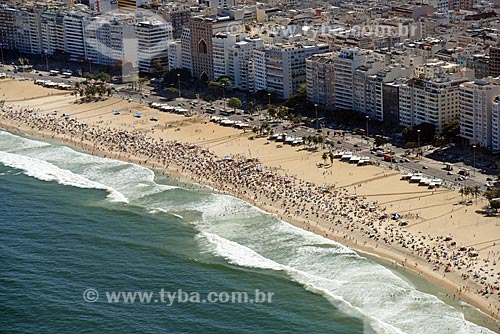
point(71, 222)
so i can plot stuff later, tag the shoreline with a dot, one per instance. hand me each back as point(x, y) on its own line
point(386, 254)
point(345, 235)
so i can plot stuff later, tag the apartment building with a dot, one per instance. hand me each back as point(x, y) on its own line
point(222, 42)
point(344, 66)
point(495, 60)
point(286, 66)
point(241, 65)
point(320, 79)
point(110, 39)
point(74, 34)
point(178, 17)
point(153, 38)
point(186, 49)
point(495, 125)
point(52, 31)
point(259, 69)
point(174, 55)
point(476, 118)
point(434, 101)
point(28, 28)
point(8, 27)
point(218, 3)
point(202, 28)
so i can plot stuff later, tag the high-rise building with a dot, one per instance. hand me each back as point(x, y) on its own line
point(74, 38)
point(495, 60)
point(179, 17)
point(218, 3)
point(434, 101)
point(202, 28)
point(344, 66)
point(8, 27)
point(153, 38)
point(222, 42)
point(52, 32)
point(186, 49)
point(495, 125)
point(28, 38)
point(286, 66)
point(259, 69)
point(174, 55)
point(320, 80)
point(110, 40)
point(241, 68)
point(476, 120)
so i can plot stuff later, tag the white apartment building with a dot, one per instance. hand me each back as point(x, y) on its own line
point(218, 3)
point(241, 66)
point(363, 88)
point(344, 66)
point(52, 32)
point(8, 27)
point(259, 69)
point(152, 45)
point(476, 119)
point(434, 101)
point(222, 42)
point(495, 125)
point(28, 38)
point(186, 49)
point(320, 80)
point(74, 35)
point(174, 55)
point(110, 39)
point(286, 66)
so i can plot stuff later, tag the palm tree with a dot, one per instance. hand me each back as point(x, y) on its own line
point(331, 156)
point(476, 190)
point(324, 156)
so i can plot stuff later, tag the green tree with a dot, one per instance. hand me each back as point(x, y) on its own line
point(282, 112)
point(379, 141)
point(272, 111)
point(103, 77)
point(234, 103)
point(451, 130)
point(172, 90)
point(495, 204)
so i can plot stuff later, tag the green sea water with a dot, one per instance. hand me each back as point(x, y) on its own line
point(76, 228)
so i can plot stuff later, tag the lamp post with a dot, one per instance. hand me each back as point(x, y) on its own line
point(367, 118)
point(419, 151)
point(317, 122)
point(1, 51)
point(268, 99)
point(179, 83)
point(474, 159)
point(224, 95)
point(46, 60)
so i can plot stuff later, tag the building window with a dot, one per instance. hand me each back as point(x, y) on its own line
point(202, 47)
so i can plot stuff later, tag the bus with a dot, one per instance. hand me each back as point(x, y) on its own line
point(388, 157)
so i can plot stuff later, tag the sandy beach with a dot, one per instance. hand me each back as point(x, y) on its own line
point(339, 201)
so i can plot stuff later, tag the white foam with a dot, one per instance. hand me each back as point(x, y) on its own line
point(46, 171)
point(359, 287)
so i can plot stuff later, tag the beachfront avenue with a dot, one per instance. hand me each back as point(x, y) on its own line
point(179, 296)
